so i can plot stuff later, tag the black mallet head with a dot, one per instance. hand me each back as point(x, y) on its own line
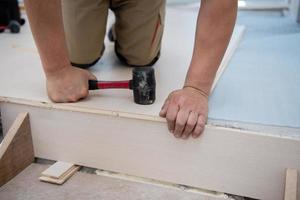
point(143, 85)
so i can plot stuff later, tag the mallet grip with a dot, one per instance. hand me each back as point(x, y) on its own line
point(95, 85)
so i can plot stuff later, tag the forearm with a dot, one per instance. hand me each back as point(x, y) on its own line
point(46, 23)
point(215, 24)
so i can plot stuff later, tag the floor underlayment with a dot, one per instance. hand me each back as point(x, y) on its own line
point(26, 186)
point(258, 89)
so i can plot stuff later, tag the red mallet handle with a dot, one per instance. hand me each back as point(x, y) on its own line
point(94, 85)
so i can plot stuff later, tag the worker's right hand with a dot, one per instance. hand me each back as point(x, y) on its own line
point(69, 84)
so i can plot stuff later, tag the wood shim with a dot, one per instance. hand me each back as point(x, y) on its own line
point(227, 160)
point(16, 149)
point(233, 45)
point(291, 184)
point(58, 169)
point(263, 5)
point(63, 178)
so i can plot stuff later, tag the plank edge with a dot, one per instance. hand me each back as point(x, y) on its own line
point(12, 132)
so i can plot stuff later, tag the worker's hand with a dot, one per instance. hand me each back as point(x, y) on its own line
point(186, 112)
point(69, 84)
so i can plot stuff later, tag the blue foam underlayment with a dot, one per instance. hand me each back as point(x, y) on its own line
point(265, 24)
point(261, 84)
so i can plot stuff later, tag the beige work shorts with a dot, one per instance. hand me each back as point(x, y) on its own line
point(138, 29)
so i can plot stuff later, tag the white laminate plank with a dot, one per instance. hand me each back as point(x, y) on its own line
point(226, 160)
point(21, 74)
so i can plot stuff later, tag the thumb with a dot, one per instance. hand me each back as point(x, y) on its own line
point(91, 76)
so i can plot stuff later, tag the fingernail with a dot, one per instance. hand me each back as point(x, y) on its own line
point(162, 113)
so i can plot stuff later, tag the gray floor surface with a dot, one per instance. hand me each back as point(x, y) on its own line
point(26, 186)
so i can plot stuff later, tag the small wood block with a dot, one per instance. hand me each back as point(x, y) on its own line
point(16, 149)
point(63, 178)
point(58, 169)
point(291, 184)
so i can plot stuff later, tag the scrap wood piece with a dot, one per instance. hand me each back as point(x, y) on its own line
point(16, 149)
point(58, 169)
point(291, 184)
point(59, 173)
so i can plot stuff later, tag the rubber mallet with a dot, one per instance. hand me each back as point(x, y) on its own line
point(142, 84)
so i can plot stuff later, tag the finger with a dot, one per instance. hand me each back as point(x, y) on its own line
point(91, 76)
point(171, 116)
point(84, 92)
point(181, 120)
point(164, 109)
point(55, 99)
point(74, 98)
point(190, 125)
point(199, 126)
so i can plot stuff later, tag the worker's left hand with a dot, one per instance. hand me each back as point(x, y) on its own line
point(186, 112)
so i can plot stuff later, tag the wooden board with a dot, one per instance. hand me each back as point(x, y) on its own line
point(21, 61)
point(290, 192)
point(225, 160)
point(16, 150)
point(61, 179)
point(58, 170)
